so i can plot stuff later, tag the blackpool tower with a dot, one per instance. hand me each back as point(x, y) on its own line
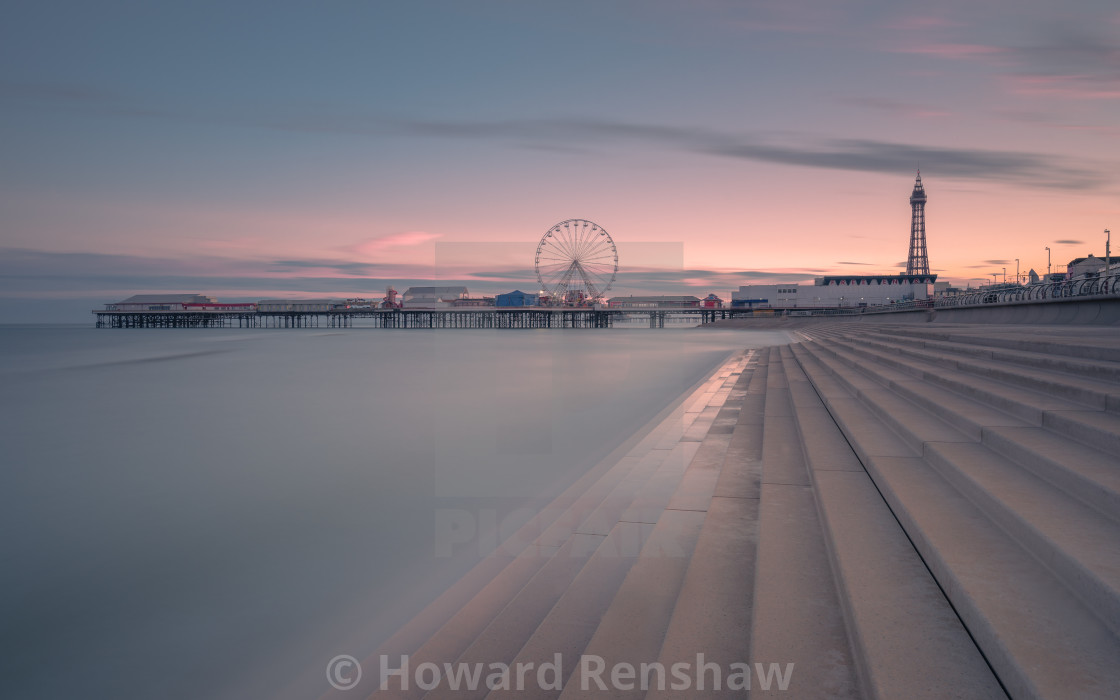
point(917, 263)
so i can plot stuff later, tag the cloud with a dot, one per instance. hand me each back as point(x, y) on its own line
point(1085, 87)
point(51, 92)
point(864, 155)
point(950, 50)
point(381, 244)
point(1057, 121)
point(816, 17)
point(1068, 241)
point(854, 263)
point(997, 262)
point(1069, 61)
point(341, 267)
point(920, 22)
point(102, 278)
point(896, 107)
point(36, 271)
point(590, 135)
point(1062, 59)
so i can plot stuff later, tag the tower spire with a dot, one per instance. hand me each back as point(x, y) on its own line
point(917, 262)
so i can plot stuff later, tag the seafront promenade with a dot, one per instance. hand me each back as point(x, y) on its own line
point(898, 511)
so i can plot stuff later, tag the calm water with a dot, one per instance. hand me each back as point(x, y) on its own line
point(216, 514)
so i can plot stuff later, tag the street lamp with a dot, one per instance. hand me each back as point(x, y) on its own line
point(1107, 252)
point(1005, 275)
point(1047, 262)
point(1016, 270)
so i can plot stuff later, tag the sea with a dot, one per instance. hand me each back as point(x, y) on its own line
point(217, 513)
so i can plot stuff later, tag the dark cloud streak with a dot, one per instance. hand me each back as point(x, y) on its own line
point(864, 155)
point(580, 135)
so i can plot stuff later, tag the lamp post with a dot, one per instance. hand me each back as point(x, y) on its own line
point(1107, 252)
point(1016, 270)
point(1047, 262)
point(1005, 275)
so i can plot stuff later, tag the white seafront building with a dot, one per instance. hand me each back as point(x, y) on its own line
point(836, 291)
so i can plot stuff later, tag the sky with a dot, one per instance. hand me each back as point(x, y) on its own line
point(274, 149)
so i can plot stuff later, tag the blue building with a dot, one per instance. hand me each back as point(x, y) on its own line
point(516, 298)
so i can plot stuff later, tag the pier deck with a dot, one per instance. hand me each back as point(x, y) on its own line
point(414, 318)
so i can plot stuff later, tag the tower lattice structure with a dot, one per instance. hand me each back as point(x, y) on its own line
point(917, 262)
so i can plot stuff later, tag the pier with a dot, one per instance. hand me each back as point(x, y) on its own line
point(1090, 300)
point(417, 318)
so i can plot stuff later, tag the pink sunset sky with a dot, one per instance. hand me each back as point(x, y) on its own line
point(332, 149)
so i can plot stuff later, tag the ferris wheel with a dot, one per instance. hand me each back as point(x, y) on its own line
point(576, 262)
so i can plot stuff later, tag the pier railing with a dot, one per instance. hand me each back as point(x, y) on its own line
point(1103, 286)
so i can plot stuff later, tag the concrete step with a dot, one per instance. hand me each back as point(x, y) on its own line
point(1058, 648)
point(507, 633)
point(505, 636)
point(1060, 531)
point(911, 422)
point(966, 414)
point(797, 616)
point(1079, 470)
point(1096, 428)
point(1101, 370)
point(908, 641)
point(474, 602)
point(1091, 343)
point(633, 627)
point(569, 627)
point(1027, 404)
point(1095, 392)
point(559, 520)
point(712, 614)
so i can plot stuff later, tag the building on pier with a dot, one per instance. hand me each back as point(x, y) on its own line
point(246, 307)
point(472, 302)
point(517, 298)
point(432, 297)
point(281, 305)
point(655, 302)
point(159, 302)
